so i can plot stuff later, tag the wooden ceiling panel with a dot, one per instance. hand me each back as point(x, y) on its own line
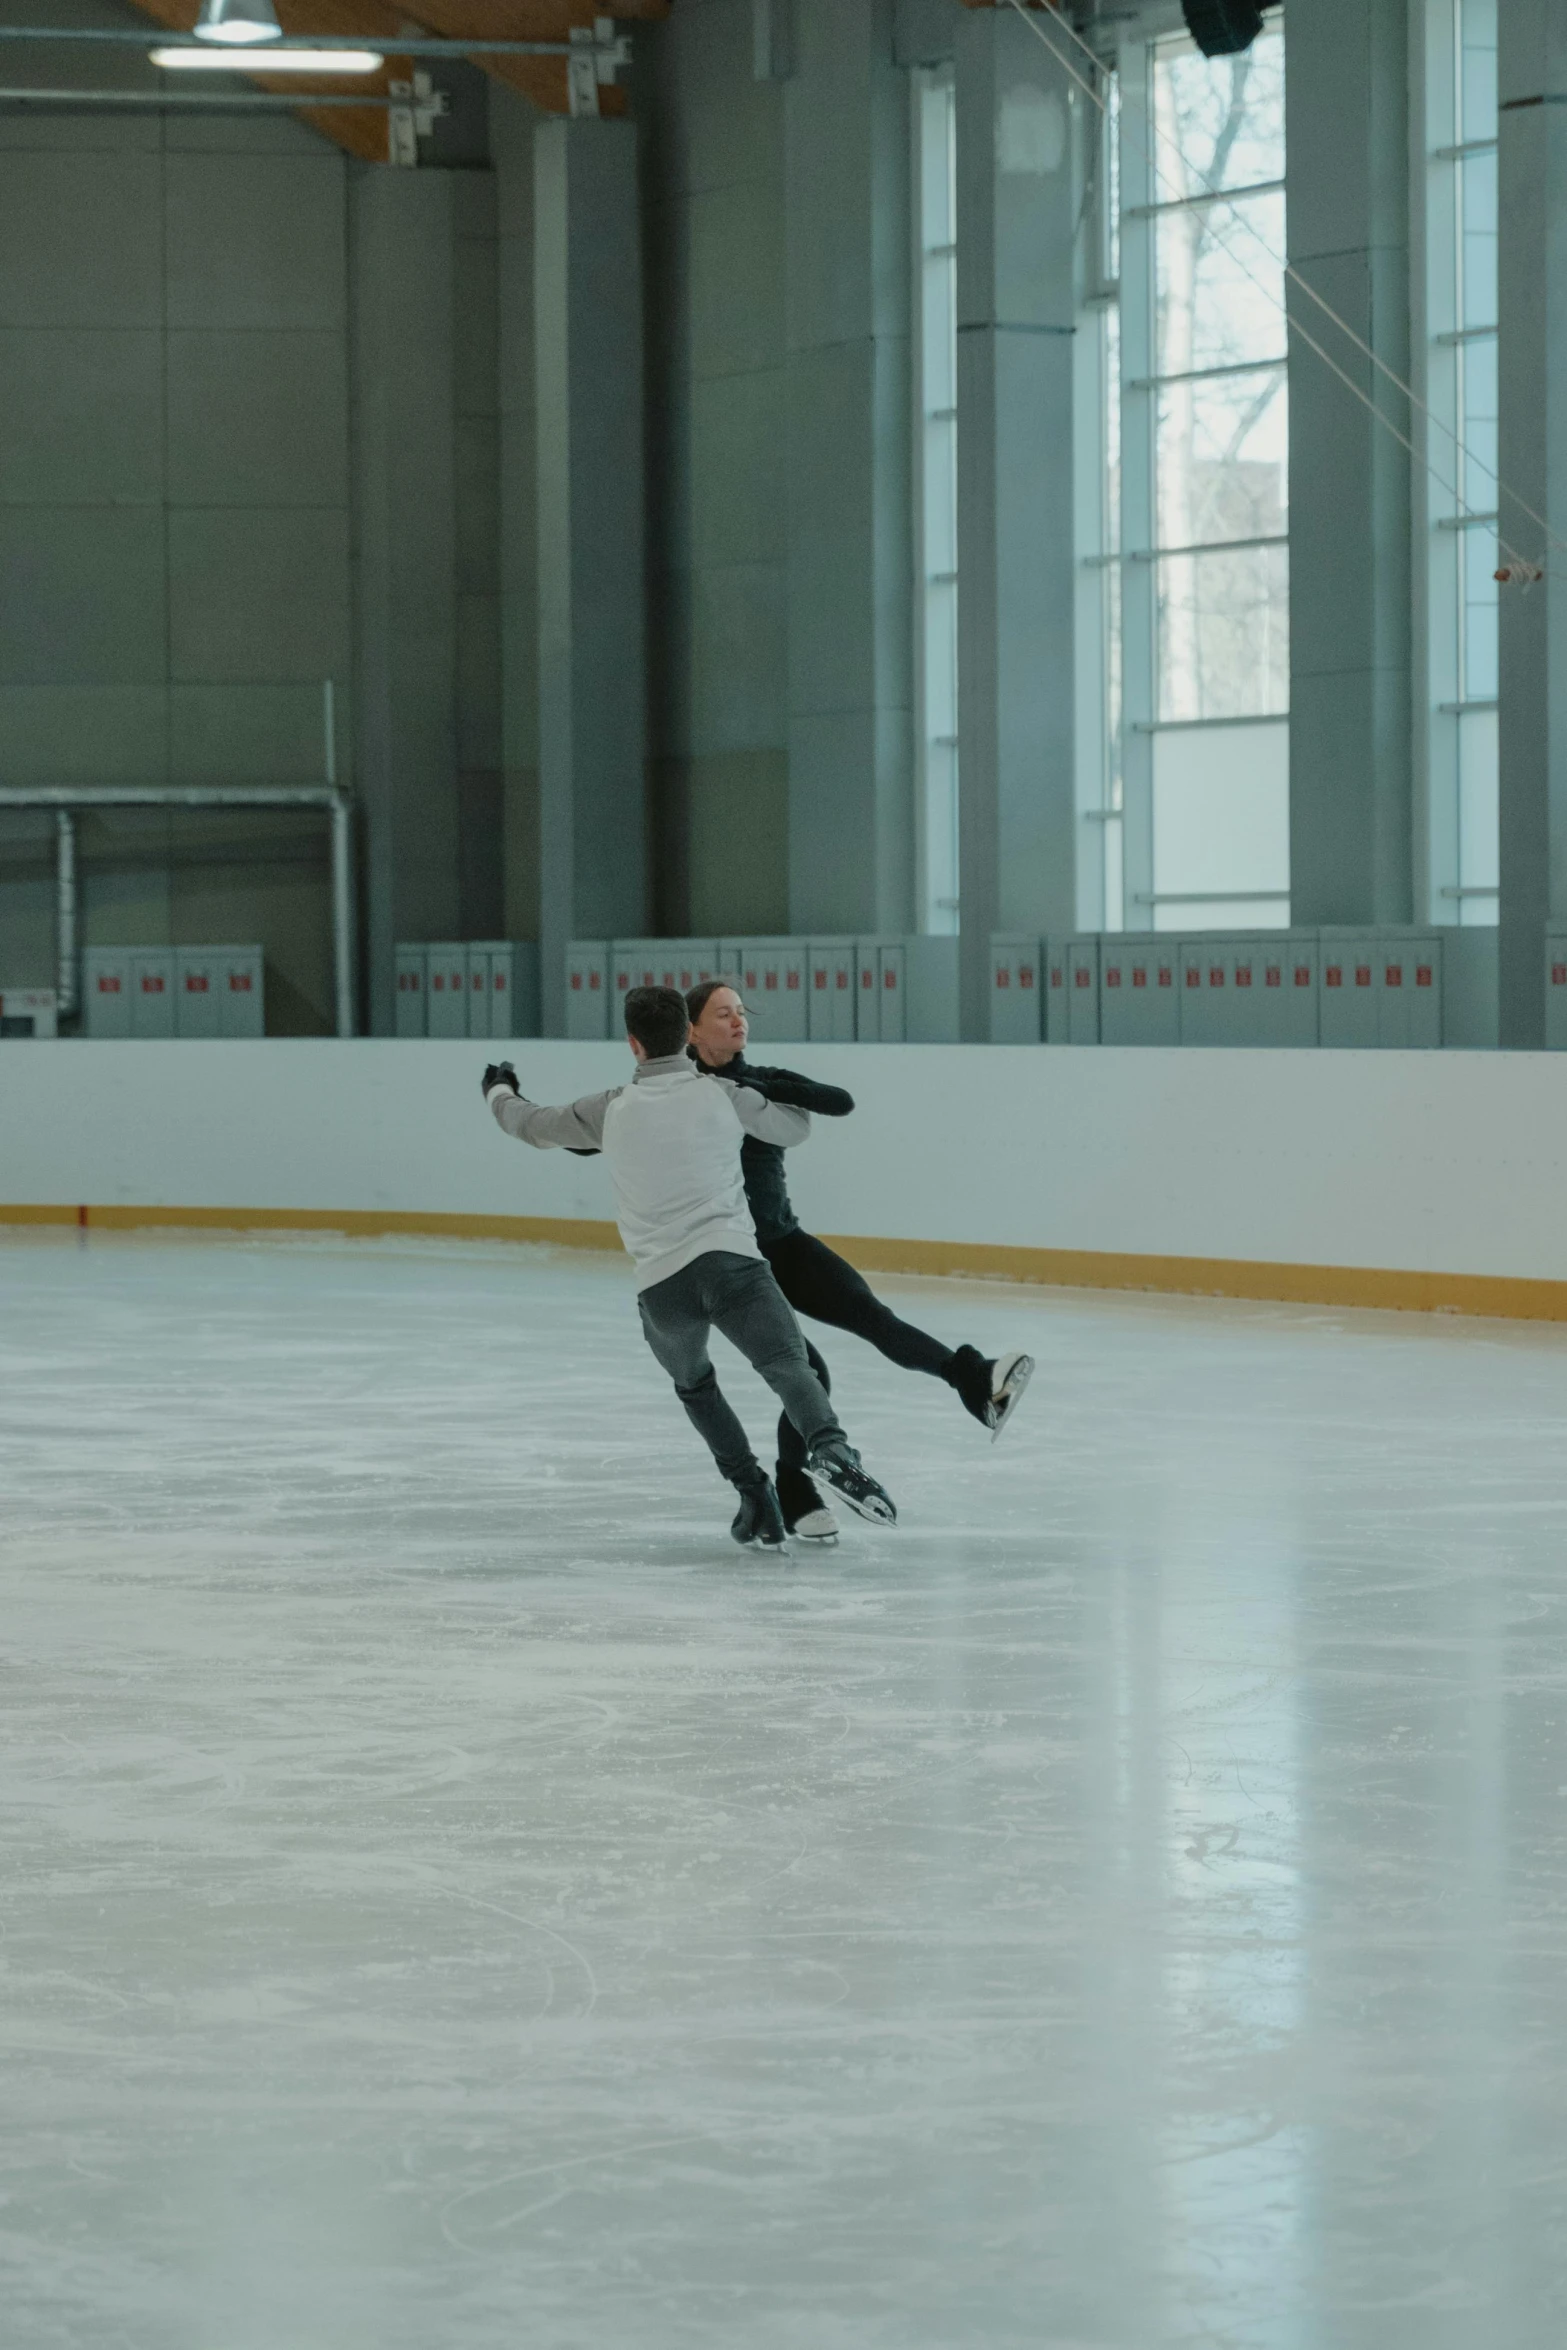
point(362, 131)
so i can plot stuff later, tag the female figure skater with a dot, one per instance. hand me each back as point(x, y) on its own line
point(814, 1278)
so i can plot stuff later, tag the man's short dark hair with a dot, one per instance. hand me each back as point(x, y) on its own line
point(657, 1018)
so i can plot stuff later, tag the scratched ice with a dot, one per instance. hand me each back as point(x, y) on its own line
point(453, 1900)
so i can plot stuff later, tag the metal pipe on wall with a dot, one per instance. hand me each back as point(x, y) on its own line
point(343, 912)
point(68, 804)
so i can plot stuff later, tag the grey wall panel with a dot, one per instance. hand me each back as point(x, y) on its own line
point(738, 476)
point(718, 124)
point(832, 393)
point(923, 31)
point(479, 712)
point(1351, 800)
point(258, 593)
point(1016, 228)
point(1363, 620)
point(736, 285)
point(236, 134)
point(81, 240)
point(258, 418)
point(1532, 167)
point(834, 833)
point(26, 898)
point(81, 595)
point(257, 241)
point(1350, 858)
point(87, 133)
point(269, 873)
point(252, 595)
point(83, 733)
point(714, 210)
point(405, 417)
point(589, 423)
point(748, 894)
point(1347, 124)
point(739, 660)
point(511, 144)
point(477, 457)
point(843, 78)
point(123, 866)
point(476, 557)
point(83, 411)
point(475, 322)
point(1469, 988)
point(850, 563)
point(246, 733)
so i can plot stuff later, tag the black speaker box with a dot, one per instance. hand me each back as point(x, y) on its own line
point(1222, 28)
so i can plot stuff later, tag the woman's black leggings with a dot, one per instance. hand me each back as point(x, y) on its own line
point(820, 1284)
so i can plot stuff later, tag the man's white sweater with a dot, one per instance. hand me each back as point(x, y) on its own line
point(671, 1140)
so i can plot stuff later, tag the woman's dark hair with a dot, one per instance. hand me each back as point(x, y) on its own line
point(657, 1018)
point(698, 998)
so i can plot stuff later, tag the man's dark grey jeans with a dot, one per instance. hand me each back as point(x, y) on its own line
point(738, 1296)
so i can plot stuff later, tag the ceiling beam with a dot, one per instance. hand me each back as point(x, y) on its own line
point(363, 131)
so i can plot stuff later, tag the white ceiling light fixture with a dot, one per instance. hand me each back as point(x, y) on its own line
point(317, 61)
point(238, 23)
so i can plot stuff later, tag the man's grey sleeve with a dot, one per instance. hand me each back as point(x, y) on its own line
point(573, 1126)
point(768, 1121)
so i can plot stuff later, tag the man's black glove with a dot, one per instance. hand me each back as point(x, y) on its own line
point(499, 1073)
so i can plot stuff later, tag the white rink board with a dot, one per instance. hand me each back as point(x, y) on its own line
point(1453, 1163)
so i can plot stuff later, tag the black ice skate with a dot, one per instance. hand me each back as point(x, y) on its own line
point(1009, 1375)
point(969, 1373)
point(838, 1465)
point(759, 1522)
point(990, 1391)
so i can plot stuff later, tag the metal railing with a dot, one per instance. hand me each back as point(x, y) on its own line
point(70, 802)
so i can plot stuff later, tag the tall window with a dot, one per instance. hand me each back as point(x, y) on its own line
point(936, 499)
point(1201, 484)
point(1459, 493)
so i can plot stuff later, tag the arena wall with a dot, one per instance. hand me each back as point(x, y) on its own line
point(1412, 1180)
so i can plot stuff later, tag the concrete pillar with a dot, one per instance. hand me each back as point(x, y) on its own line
point(589, 424)
point(847, 398)
point(1016, 569)
point(1351, 790)
point(1532, 70)
point(403, 259)
point(512, 124)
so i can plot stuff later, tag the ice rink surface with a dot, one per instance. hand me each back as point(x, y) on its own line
point(455, 1900)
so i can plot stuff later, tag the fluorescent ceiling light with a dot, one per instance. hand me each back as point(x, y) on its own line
point(318, 61)
point(238, 22)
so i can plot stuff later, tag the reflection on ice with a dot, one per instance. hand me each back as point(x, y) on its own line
point(454, 1897)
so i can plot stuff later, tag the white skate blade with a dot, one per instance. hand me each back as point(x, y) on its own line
point(818, 1526)
point(1013, 1373)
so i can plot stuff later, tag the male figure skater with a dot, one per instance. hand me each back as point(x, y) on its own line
point(672, 1139)
point(816, 1280)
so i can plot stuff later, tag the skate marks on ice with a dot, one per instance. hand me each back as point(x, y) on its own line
point(455, 1897)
